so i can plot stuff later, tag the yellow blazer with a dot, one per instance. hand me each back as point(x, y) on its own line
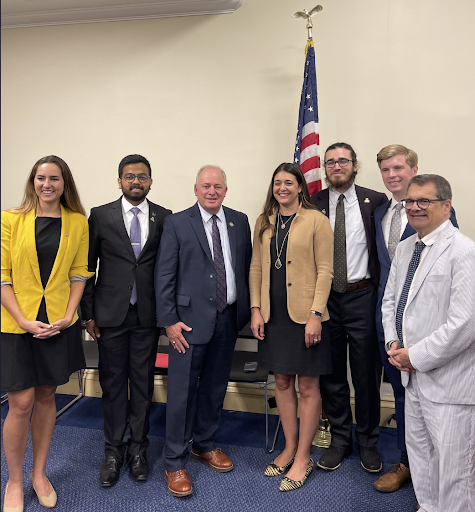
point(309, 265)
point(20, 265)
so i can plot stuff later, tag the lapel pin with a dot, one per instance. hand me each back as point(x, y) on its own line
point(366, 200)
point(152, 218)
point(324, 211)
point(231, 224)
point(66, 234)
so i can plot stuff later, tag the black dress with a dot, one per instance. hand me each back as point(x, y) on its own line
point(283, 349)
point(27, 361)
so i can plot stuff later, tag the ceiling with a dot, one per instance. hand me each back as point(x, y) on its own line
point(34, 13)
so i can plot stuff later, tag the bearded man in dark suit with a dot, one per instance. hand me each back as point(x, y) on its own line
point(351, 305)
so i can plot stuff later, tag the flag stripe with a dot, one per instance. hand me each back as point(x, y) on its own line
point(308, 139)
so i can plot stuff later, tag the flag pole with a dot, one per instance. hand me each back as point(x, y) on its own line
point(308, 16)
point(307, 152)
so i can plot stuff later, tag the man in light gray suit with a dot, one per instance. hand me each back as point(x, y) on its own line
point(429, 327)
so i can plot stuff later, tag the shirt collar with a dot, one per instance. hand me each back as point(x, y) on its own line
point(350, 195)
point(433, 235)
point(394, 203)
point(126, 206)
point(206, 215)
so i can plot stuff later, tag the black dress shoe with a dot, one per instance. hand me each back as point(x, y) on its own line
point(110, 470)
point(370, 459)
point(138, 467)
point(332, 457)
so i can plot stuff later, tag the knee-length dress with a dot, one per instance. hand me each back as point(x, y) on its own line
point(27, 361)
point(283, 349)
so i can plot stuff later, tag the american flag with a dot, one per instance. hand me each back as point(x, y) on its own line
point(308, 140)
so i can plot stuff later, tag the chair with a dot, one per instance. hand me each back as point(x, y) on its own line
point(260, 377)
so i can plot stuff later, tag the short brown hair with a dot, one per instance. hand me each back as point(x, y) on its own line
point(397, 149)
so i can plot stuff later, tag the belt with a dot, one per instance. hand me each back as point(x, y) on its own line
point(364, 283)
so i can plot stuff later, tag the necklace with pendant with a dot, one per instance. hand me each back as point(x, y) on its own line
point(281, 220)
point(278, 262)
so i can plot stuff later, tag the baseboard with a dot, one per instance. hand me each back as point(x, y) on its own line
point(239, 396)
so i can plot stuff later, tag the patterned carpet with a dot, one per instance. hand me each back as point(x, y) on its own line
point(76, 457)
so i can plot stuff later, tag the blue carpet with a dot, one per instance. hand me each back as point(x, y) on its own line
point(77, 452)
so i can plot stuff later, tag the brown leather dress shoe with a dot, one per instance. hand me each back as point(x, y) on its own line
point(178, 483)
point(215, 459)
point(393, 479)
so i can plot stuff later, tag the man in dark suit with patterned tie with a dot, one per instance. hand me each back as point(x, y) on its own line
point(202, 289)
point(119, 310)
point(351, 306)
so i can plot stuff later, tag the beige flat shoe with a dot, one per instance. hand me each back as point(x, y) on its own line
point(46, 501)
point(11, 509)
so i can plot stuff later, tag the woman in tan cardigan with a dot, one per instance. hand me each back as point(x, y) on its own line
point(290, 279)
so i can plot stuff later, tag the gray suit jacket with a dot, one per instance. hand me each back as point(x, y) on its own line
point(439, 320)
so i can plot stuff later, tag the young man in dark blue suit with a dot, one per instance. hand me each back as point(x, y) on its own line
point(398, 165)
point(202, 290)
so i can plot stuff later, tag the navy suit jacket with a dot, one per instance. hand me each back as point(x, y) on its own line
point(185, 276)
point(368, 200)
point(383, 255)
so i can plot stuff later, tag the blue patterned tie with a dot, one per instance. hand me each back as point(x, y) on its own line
point(221, 289)
point(413, 264)
point(135, 240)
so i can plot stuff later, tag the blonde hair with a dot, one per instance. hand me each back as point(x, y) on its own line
point(397, 149)
point(69, 198)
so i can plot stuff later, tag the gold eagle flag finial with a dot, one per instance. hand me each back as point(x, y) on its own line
point(307, 15)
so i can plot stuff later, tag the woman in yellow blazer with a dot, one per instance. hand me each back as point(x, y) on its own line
point(290, 279)
point(44, 270)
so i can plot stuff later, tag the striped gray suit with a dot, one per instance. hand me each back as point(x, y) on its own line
point(439, 327)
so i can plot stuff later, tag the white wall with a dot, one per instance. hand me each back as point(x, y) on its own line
point(225, 89)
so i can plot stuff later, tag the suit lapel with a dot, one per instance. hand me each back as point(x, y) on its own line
point(118, 220)
point(63, 241)
point(408, 231)
point(152, 225)
point(232, 234)
point(365, 208)
point(30, 240)
point(379, 214)
point(440, 245)
point(323, 198)
point(197, 225)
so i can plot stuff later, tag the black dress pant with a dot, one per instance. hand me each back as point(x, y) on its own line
point(197, 383)
point(127, 357)
point(352, 326)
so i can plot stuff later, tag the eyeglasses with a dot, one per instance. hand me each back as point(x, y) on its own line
point(130, 178)
point(422, 203)
point(342, 162)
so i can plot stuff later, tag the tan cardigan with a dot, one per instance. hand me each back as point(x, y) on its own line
point(309, 264)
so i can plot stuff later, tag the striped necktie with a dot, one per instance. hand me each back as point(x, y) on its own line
point(413, 264)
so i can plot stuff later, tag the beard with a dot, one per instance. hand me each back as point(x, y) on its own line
point(136, 194)
point(340, 181)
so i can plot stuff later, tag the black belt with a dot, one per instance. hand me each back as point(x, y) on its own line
point(364, 283)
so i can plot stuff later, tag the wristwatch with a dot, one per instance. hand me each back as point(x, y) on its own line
point(316, 312)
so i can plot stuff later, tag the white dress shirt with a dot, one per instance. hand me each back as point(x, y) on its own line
point(357, 255)
point(226, 248)
point(142, 216)
point(388, 217)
